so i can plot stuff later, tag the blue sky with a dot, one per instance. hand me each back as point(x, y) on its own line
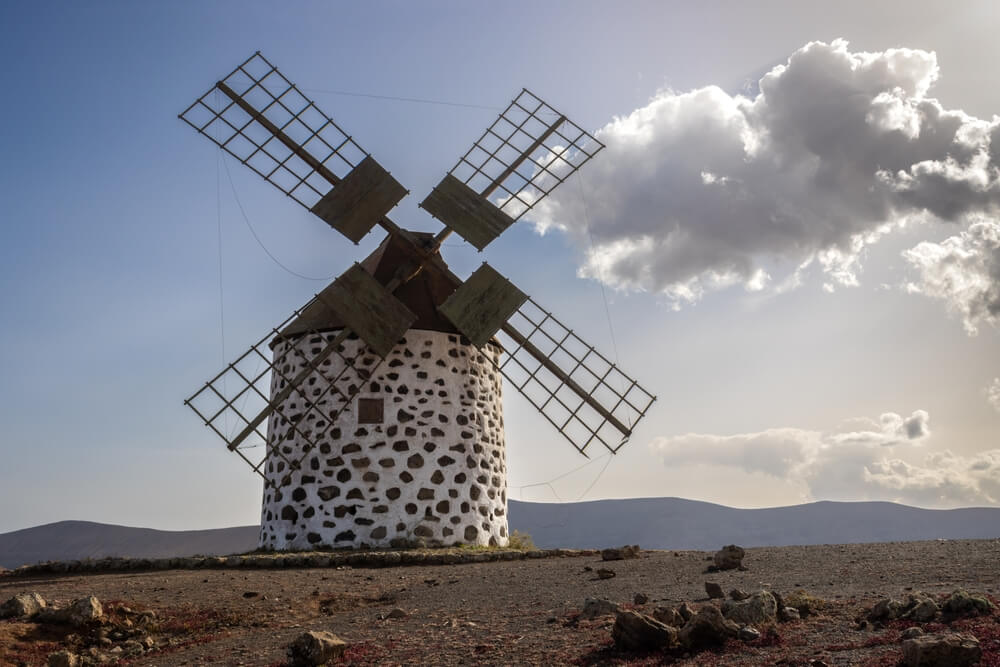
point(110, 255)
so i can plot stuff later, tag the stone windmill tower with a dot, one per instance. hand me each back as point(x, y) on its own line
point(377, 405)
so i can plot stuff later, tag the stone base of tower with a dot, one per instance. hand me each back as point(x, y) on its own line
point(433, 470)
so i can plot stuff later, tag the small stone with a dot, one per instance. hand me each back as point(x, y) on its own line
point(315, 647)
point(942, 650)
point(729, 557)
point(22, 605)
point(748, 633)
point(790, 614)
point(911, 633)
point(714, 591)
point(633, 631)
point(640, 598)
point(397, 613)
point(63, 659)
point(133, 647)
point(738, 595)
point(603, 573)
point(251, 594)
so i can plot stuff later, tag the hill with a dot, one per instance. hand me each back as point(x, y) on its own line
point(675, 523)
point(76, 540)
point(654, 523)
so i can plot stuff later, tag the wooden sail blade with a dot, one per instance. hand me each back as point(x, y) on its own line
point(482, 304)
point(263, 120)
point(576, 388)
point(525, 154)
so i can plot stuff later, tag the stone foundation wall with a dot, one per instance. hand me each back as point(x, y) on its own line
point(433, 470)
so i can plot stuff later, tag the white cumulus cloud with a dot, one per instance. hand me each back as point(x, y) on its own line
point(964, 272)
point(858, 463)
point(701, 190)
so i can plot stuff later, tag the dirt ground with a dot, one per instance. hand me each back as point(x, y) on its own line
point(515, 612)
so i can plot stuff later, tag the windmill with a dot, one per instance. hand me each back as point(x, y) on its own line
point(382, 395)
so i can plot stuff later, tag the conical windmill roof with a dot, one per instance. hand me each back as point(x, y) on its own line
point(422, 294)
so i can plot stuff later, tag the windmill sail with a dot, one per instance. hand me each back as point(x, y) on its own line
point(263, 120)
point(528, 151)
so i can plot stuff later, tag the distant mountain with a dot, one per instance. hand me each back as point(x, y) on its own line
point(653, 523)
point(75, 540)
point(675, 523)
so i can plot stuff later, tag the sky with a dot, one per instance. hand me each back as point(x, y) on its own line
point(792, 238)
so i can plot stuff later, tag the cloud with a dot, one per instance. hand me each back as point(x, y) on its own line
point(855, 463)
point(702, 190)
point(992, 392)
point(964, 272)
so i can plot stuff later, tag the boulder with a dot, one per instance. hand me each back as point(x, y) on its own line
point(962, 603)
point(748, 633)
point(911, 633)
point(22, 605)
point(805, 604)
point(633, 631)
point(738, 595)
point(950, 649)
point(685, 611)
point(921, 609)
point(760, 608)
point(885, 610)
point(669, 616)
point(596, 607)
point(83, 611)
point(707, 628)
point(316, 647)
point(729, 557)
point(714, 591)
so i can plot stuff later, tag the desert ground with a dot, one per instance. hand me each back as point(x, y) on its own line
point(509, 612)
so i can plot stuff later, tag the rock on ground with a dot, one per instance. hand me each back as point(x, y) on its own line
point(942, 650)
point(22, 605)
point(714, 591)
point(759, 608)
point(316, 647)
point(962, 603)
point(596, 607)
point(669, 616)
point(63, 659)
point(621, 553)
point(729, 557)
point(633, 631)
point(707, 628)
point(603, 573)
